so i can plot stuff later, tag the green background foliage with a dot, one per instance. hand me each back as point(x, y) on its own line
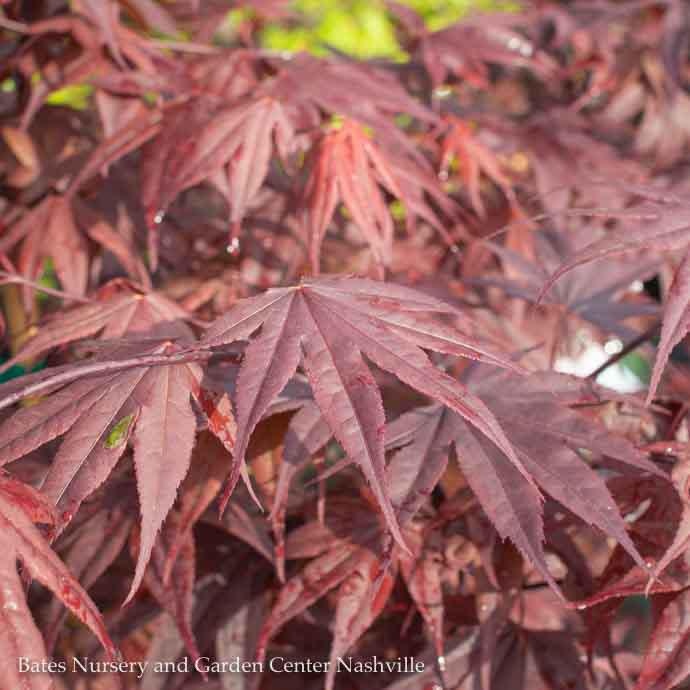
point(363, 28)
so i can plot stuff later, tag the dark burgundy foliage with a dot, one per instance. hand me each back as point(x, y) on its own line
point(284, 341)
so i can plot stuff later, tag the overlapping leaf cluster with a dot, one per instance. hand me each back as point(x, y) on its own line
point(292, 332)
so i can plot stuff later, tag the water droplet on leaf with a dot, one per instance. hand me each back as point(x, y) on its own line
point(233, 247)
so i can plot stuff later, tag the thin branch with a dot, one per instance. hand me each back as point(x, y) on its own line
point(96, 368)
point(11, 25)
point(13, 279)
point(632, 345)
point(181, 47)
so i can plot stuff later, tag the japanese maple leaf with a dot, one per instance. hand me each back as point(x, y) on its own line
point(665, 663)
point(358, 91)
point(70, 224)
point(473, 158)
point(354, 554)
point(486, 39)
point(661, 222)
point(198, 140)
point(328, 324)
point(546, 434)
point(308, 432)
point(117, 309)
point(371, 96)
point(98, 415)
point(545, 659)
point(591, 294)
point(106, 16)
point(569, 163)
point(680, 476)
point(663, 133)
point(20, 507)
point(173, 587)
point(68, 247)
point(468, 48)
point(646, 91)
point(203, 483)
point(349, 168)
point(667, 660)
point(652, 529)
point(90, 548)
point(362, 593)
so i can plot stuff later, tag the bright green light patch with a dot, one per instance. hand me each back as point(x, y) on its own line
point(48, 278)
point(75, 96)
point(638, 365)
point(119, 432)
point(357, 27)
point(397, 209)
point(364, 28)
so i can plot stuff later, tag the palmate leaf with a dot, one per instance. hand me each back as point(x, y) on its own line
point(307, 433)
point(355, 90)
point(198, 141)
point(68, 248)
point(354, 554)
point(91, 549)
point(313, 582)
point(474, 158)
point(199, 489)
point(328, 324)
point(545, 433)
point(667, 660)
point(174, 589)
point(651, 531)
point(21, 541)
point(361, 599)
point(118, 308)
point(468, 48)
point(98, 415)
point(592, 293)
point(662, 223)
point(249, 165)
point(350, 167)
point(681, 541)
point(163, 439)
point(68, 222)
point(569, 163)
